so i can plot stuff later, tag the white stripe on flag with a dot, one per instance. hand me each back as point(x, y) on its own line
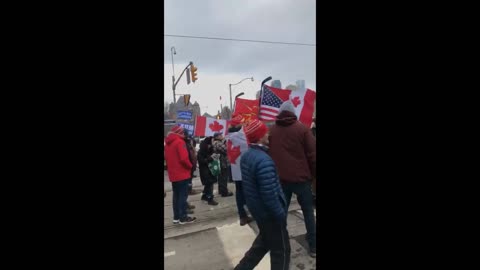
point(268, 113)
point(266, 118)
point(270, 108)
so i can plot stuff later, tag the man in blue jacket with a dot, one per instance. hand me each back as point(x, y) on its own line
point(265, 200)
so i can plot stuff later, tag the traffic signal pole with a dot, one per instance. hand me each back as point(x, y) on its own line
point(175, 83)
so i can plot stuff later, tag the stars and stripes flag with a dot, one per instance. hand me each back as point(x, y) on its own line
point(272, 98)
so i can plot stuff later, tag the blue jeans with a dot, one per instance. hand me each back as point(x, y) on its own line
point(180, 195)
point(240, 199)
point(305, 199)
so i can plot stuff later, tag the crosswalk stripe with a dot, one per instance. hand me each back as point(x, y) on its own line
point(236, 240)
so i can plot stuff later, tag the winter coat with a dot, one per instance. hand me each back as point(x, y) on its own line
point(176, 155)
point(230, 131)
point(261, 187)
point(204, 157)
point(220, 147)
point(192, 155)
point(293, 148)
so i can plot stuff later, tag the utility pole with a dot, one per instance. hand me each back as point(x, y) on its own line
point(172, 50)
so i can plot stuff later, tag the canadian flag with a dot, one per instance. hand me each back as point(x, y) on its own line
point(237, 145)
point(304, 103)
point(303, 100)
point(208, 126)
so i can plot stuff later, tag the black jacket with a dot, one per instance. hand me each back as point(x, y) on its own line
point(204, 157)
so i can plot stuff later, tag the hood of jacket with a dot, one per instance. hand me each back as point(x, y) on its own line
point(173, 137)
point(286, 118)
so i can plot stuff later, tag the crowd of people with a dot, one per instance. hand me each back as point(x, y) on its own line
point(278, 163)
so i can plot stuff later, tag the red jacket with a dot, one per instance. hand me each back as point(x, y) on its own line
point(176, 155)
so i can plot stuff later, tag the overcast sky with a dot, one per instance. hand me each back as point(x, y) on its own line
point(221, 63)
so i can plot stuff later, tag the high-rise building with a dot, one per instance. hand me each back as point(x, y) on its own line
point(276, 84)
point(300, 84)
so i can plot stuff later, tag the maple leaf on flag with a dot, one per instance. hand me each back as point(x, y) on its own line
point(296, 101)
point(233, 152)
point(215, 127)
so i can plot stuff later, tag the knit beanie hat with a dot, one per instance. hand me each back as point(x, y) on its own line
point(255, 130)
point(178, 130)
point(236, 120)
point(287, 106)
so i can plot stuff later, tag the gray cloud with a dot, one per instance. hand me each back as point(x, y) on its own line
point(286, 21)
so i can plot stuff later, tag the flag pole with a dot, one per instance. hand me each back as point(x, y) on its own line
point(261, 90)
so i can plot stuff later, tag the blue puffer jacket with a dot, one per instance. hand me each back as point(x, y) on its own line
point(261, 187)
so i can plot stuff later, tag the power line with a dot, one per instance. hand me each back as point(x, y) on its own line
point(244, 40)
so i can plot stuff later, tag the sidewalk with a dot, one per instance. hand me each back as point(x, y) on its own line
point(217, 241)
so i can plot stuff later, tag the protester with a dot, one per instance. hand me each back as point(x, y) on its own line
point(194, 145)
point(265, 200)
point(236, 125)
point(179, 173)
point(204, 158)
point(192, 155)
point(314, 184)
point(220, 148)
point(292, 147)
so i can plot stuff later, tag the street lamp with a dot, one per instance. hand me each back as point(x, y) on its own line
point(173, 51)
point(230, 86)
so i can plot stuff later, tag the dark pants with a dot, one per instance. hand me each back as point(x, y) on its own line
point(240, 199)
point(208, 191)
point(273, 237)
point(305, 199)
point(180, 195)
point(223, 182)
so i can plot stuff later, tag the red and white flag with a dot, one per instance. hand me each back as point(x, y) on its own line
point(304, 103)
point(272, 98)
point(237, 145)
point(208, 126)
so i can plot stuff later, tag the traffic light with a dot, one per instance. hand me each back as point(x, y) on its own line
point(193, 70)
point(186, 100)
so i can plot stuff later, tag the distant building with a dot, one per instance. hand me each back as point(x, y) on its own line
point(300, 84)
point(291, 87)
point(180, 106)
point(276, 84)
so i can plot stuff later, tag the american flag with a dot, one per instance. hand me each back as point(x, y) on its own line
point(271, 100)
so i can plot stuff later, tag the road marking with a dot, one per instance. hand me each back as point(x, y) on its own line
point(236, 240)
point(171, 253)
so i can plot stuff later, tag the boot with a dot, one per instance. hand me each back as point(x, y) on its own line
point(212, 202)
point(193, 192)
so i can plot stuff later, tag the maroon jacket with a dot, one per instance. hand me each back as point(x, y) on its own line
point(293, 148)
